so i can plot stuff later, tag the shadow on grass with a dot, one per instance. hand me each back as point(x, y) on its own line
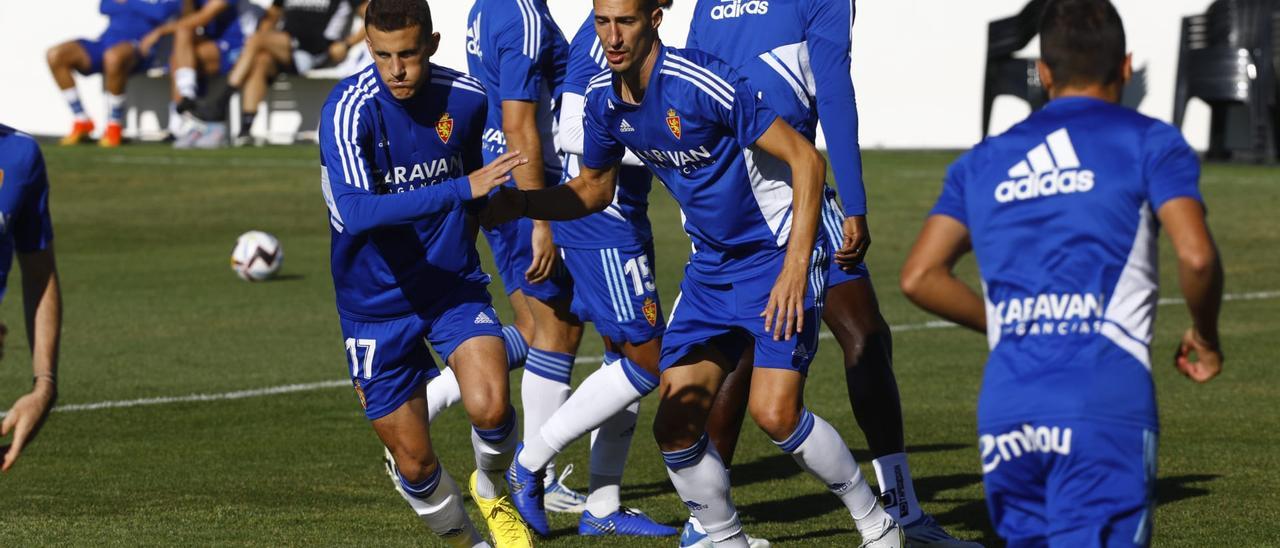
point(286, 278)
point(1176, 488)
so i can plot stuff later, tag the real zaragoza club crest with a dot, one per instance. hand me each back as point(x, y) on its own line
point(650, 308)
point(673, 122)
point(444, 127)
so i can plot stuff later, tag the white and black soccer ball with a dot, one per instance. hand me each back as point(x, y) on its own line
point(257, 256)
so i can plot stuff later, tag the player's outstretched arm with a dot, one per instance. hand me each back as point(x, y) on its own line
point(359, 210)
point(927, 278)
point(588, 193)
point(784, 315)
point(1201, 278)
point(43, 303)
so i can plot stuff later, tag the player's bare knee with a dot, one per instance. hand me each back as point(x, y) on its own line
point(490, 411)
point(777, 420)
point(415, 468)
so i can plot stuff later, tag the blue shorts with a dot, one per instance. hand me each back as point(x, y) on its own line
point(388, 360)
point(833, 224)
point(512, 254)
point(614, 289)
point(229, 53)
point(97, 48)
point(727, 316)
point(1070, 483)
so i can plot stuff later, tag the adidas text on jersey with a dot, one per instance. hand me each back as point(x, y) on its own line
point(1042, 174)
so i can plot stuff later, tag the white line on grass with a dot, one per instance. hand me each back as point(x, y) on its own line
point(307, 387)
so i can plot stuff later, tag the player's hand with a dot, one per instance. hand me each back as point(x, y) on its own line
point(498, 171)
point(784, 315)
point(147, 42)
point(1208, 357)
point(857, 239)
point(338, 51)
point(24, 419)
point(544, 254)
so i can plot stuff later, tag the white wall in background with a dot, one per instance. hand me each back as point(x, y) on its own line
point(917, 64)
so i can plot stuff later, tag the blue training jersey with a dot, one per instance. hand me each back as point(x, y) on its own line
point(137, 17)
point(516, 50)
point(393, 177)
point(695, 129)
point(626, 221)
point(1061, 213)
point(25, 225)
point(796, 55)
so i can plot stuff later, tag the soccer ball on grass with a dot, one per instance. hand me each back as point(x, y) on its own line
point(257, 256)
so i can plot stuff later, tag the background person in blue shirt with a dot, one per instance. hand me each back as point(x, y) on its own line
point(396, 141)
point(25, 227)
point(1063, 212)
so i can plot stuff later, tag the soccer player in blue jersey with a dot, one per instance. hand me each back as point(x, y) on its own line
point(796, 56)
point(395, 142)
point(750, 187)
point(28, 230)
point(515, 48)
point(610, 258)
point(1062, 212)
point(117, 53)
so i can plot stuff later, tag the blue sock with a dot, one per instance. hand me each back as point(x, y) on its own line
point(423, 489)
point(801, 433)
point(517, 349)
point(555, 366)
point(643, 381)
point(611, 357)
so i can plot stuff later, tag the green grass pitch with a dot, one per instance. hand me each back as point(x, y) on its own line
point(152, 310)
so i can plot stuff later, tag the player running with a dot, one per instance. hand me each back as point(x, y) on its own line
point(1062, 212)
point(796, 56)
point(610, 258)
point(28, 230)
point(395, 141)
point(117, 54)
point(515, 48)
point(751, 190)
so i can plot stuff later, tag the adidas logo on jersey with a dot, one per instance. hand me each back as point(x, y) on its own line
point(473, 37)
point(483, 319)
point(1051, 168)
point(730, 9)
point(625, 127)
point(1011, 445)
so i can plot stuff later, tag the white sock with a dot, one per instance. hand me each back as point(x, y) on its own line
point(72, 97)
point(442, 392)
point(610, 444)
point(819, 450)
point(493, 450)
point(699, 477)
point(544, 387)
point(185, 80)
point(899, 494)
point(115, 107)
point(438, 502)
point(175, 119)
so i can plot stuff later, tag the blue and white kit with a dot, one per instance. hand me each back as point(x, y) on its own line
point(695, 130)
point(226, 33)
point(24, 200)
point(403, 257)
point(609, 254)
point(515, 49)
point(1061, 214)
point(795, 55)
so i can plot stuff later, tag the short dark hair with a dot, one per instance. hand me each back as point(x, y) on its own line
point(1082, 41)
point(389, 15)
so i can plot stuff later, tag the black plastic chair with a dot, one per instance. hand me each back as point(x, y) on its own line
point(1227, 58)
point(1009, 75)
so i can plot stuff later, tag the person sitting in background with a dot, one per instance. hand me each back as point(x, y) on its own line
point(24, 206)
point(117, 53)
point(314, 35)
point(210, 52)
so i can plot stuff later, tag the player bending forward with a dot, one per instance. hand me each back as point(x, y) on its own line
point(1062, 212)
point(756, 275)
point(395, 139)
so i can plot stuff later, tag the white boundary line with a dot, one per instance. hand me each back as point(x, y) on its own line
point(311, 386)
